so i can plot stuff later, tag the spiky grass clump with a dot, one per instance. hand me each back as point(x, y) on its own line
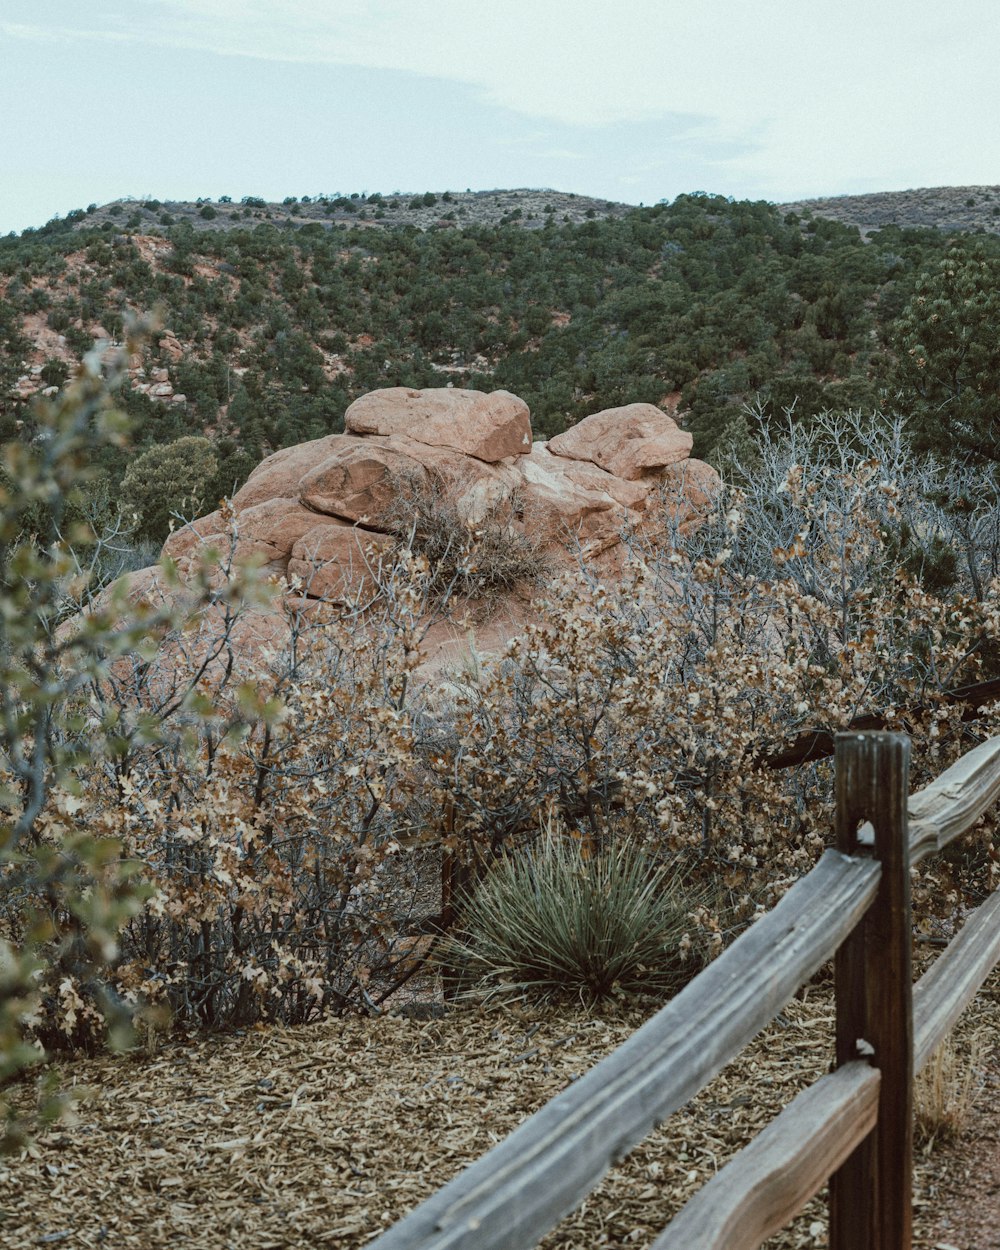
point(551, 921)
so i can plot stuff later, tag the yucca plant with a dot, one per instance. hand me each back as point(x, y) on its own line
point(551, 920)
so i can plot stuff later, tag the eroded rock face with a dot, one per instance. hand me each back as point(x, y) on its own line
point(490, 427)
point(266, 533)
point(269, 531)
point(628, 442)
point(322, 516)
point(278, 476)
point(338, 562)
point(359, 480)
point(690, 485)
point(557, 505)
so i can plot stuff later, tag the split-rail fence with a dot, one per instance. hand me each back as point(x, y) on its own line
point(852, 1127)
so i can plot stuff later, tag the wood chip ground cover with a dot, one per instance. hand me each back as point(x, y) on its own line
point(324, 1135)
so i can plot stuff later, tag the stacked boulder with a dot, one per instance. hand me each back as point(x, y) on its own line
point(318, 512)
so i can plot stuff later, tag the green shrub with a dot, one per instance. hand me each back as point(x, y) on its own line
point(168, 479)
point(65, 887)
point(550, 921)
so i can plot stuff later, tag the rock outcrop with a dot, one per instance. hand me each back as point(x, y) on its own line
point(490, 427)
point(629, 442)
point(323, 514)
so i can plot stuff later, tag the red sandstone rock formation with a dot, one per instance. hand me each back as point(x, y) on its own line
point(321, 515)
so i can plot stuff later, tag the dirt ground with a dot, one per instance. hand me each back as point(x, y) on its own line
point(324, 1135)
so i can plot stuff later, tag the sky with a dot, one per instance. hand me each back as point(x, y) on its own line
point(634, 100)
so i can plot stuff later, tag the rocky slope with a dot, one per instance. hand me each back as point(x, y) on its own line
point(524, 207)
point(941, 208)
point(935, 208)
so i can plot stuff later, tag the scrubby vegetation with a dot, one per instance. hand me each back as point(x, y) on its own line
point(482, 560)
point(228, 850)
point(711, 301)
point(217, 847)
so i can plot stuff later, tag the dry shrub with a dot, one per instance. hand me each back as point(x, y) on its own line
point(285, 818)
point(275, 838)
point(655, 702)
point(946, 1089)
point(481, 554)
point(268, 808)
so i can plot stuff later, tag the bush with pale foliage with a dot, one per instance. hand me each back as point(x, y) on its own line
point(290, 822)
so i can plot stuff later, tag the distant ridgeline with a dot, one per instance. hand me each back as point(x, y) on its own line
point(276, 317)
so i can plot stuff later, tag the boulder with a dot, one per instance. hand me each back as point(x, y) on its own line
point(337, 562)
point(629, 442)
point(690, 486)
point(321, 516)
point(361, 480)
point(491, 427)
point(278, 476)
point(170, 346)
point(588, 476)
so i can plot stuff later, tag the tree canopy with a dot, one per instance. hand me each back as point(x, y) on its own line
point(711, 302)
point(949, 353)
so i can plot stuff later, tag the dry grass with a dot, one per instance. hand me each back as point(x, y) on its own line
point(946, 1090)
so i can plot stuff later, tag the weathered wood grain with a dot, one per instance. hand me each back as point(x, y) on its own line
point(952, 804)
point(510, 1197)
point(871, 1193)
point(947, 988)
point(773, 1178)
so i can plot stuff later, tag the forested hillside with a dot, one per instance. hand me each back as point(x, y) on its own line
point(701, 305)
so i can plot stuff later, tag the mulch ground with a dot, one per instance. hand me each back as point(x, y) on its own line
point(324, 1135)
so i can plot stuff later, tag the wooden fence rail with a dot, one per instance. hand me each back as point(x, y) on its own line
point(853, 1127)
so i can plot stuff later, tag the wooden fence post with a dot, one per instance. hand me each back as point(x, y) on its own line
point(871, 1194)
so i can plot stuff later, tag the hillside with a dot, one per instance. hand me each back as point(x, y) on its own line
point(928, 208)
point(528, 208)
point(949, 209)
point(307, 810)
point(269, 332)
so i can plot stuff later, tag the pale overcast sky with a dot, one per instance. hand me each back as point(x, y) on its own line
point(635, 100)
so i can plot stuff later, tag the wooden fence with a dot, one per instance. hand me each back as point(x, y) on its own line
point(853, 1127)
